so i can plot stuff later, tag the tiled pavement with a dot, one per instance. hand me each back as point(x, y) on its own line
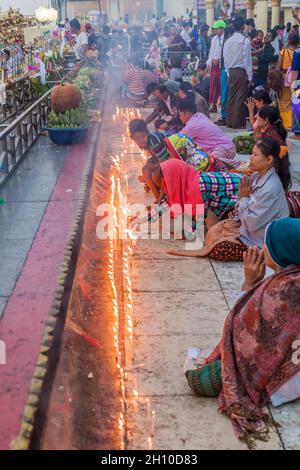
point(177, 303)
point(26, 196)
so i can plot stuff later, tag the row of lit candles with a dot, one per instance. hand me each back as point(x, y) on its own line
point(119, 201)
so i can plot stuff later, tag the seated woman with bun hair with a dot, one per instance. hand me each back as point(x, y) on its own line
point(256, 361)
point(261, 200)
point(269, 125)
point(259, 99)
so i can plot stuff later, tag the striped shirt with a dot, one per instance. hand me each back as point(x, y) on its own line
point(135, 79)
point(157, 146)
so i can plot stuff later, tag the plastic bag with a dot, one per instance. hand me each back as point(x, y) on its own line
point(195, 358)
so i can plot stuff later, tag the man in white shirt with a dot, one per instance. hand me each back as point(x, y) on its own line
point(80, 46)
point(238, 64)
point(214, 63)
point(275, 43)
point(154, 23)
point(186, 35)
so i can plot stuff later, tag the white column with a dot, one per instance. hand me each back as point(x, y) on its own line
point(275, 12)
point(210, 12)
point(114, 10)
point(288, 15)
point(262, 15)
point(250, 8)
point(122, 8)
point(61, 9)
point(155, 7)
point(174, 8)
point(109, 11)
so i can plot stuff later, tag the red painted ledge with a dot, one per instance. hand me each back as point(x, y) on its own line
point(23, 322)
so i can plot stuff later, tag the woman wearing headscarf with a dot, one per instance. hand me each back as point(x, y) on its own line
point(257, 359)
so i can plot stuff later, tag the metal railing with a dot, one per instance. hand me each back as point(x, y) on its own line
point(19, 136)
point(19, 94)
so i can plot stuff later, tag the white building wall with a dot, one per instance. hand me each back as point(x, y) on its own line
point(177, 8)
point(26, 7)
point(113, 10)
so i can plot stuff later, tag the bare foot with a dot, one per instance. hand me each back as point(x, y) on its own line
point(211, 220)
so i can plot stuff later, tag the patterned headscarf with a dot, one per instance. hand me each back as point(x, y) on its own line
point(183, 148)
point(283, 241)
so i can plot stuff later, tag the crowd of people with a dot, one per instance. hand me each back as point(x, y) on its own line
point(230, 64)
point(189, 74)
point(250, 213)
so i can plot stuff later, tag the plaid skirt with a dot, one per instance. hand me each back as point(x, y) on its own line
point(219, 191)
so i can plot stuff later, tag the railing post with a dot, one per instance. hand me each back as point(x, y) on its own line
point(30, 129)
point(30, 90)
point(24, 136)
point(18, 136)
point(4, 158)
point(35, 121)
point(12, 145)
point(43, 113)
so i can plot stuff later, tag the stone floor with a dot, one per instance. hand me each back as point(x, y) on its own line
point(286, 416)
point(26, 196)
point(178, 303)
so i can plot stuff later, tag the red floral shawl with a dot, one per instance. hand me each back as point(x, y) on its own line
point(256, 351)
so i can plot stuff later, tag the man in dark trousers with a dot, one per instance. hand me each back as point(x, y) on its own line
point(238, 65)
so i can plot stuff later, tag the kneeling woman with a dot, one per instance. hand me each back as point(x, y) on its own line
point(262, 199)
point(253, 364)
point(182, 185)
point(182, 147)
